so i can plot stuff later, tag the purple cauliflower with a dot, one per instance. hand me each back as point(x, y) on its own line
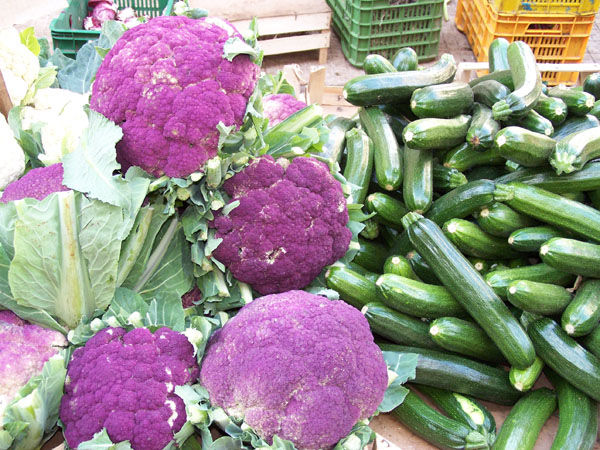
point(167, 84)
point(290, 223)
point(24, 348)
point(298, 366)
point(37, 183)
point(125, 382)
point(278, 107)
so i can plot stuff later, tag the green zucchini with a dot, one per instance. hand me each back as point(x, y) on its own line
point(417, 189)
point(595, 111)
point(524, 379)
point(396, 87)
point(483, 128)
point(421, 268)
point(371, 229)
point(501, 220)
point(386, 152)
point(473, 241)
point(527, 81)
point(417, 298)
point(469, 289)
point(532, 121)
point(501, 76)
point(525, 147)
point(389, 235)
point(371, 276)
point(389, 211)
point(497, 55)
point(586, 179)
point(397, 327)
point(485, 172)
point(459, 374)
point(375, 63)
point(573, 125)
point(499, 280)
point(565, 356)
point(480, 265)
point(353, 288)
point(577, 416)
point(465, 157)
point(489, 92)
point(583, 313)
point(538, 298)
point(572, 256)
point(371, 255)
point(579, 103)
point(591, 84)
point(432, 426)
point(592, 341)
point(399, 265)
point(574, 151)
point(336, 139)
point(405, 59)
point(465, 338)
point(550, 208)
point(525, 420)
point(447, 178)
point(359, 164)
point(436, 134)
point(463, 409)
point(552, 108)
point(530, 239)
point(442, 100)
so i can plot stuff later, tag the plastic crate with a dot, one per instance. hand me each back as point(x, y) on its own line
point(67, 29)
point(558, 38)
point(546, 6)
point(384, 26)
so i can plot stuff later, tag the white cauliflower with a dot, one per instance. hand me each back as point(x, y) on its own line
point(61, 117)
point(11, 155)
point(19, 66)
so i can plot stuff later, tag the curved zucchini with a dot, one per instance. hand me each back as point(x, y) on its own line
point(436, 134)
point(417, 298)
point(442, 100)
point(371, 276)
point(334, 147)
point(473, 241)
point(375, 63)
point(396, 87)
point(399, 265)
point(489, 92)
point(538, 298)
point(359, 163)
point(465, 157)
point(552, 108)
point(530, 239)
point(462, 201)
point(465, 338)
point(500, 220)
point(501, 76)
point(497, 55)
point(483, 128)
point(386, 152)
point(532, 121)
point(417, 188)
point(405, 59)
point(550, 208)
point(582, 315)
point(523, 146)
point(447, 178)
point(572, 256)
point(565, 356)
point(524, 379)
point(575, 150)
point(459, 374)
point(591, 84)
point(388, 210)
point(579, 103)
point(499, 279)
point(525, 420)
point(353, 288)
point(371, 255)
point(573, 125)
point(469, 289)
point(527, 81)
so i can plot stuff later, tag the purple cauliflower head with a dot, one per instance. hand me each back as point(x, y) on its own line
point(289, 224)
point(278, 107)
point(37, 183)
point(125, 382)
point(298, 366)
point(24, 348)
point(167, 84)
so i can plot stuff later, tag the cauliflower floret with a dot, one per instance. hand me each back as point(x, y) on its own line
point(12, 155)
point(290, 223)
point(63, 118)
point(18, 65)
point(37, 183)
point(298, 366)
point(278, 107)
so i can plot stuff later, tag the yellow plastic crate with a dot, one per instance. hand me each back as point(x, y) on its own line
point(546, 6)
point(559, 38)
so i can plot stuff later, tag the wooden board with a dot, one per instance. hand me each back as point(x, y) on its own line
point(268, 26)
point(244, 9)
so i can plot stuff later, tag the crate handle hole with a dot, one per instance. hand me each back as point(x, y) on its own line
point(544, 28)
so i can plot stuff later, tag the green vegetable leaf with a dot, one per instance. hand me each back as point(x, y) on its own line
point(45, 52)
point(166, 310)
point(359, 437)
point(401, 368)
point(30, 41)
point(46, 78)
point(29, 140)
point(8, 217)
point(59, 59)
point(101, 441)
point(125, 303)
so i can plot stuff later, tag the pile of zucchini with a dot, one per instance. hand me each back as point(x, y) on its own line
point(482, 254)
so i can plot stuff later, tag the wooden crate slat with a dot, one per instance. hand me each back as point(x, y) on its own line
point(295, 43)
point(268, 26)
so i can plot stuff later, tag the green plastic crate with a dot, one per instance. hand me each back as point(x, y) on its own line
point(384, 26)
point(67, 29)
